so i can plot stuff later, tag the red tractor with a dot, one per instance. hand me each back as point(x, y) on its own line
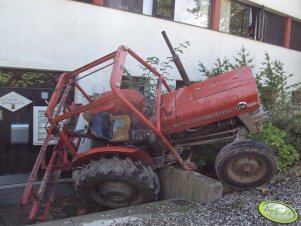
point(133, 135)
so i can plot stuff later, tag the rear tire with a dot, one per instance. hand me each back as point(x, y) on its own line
point(245, 164)
point(115, 183)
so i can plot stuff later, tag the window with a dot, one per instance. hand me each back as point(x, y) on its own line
point(296, 36)
point(164, 9)
point(86, 1)
point(135, 6)
point(248, 21)
point(27, 78)
point(148, 7)
point(274, 28)
point(239, 19)
point(195, 12)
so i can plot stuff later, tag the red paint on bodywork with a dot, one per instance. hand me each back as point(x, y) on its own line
point(208, 101)
point(109, 102)
point(95, 153)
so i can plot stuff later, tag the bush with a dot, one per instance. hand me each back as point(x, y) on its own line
point(286, 154)
point(224, 65)
point(282, 107)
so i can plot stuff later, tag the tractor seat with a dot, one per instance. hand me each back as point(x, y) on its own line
point(111, 128)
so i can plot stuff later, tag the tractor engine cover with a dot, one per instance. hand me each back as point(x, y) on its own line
point(218, 98)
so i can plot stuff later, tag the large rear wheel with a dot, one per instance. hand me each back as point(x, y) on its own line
point(245, 164)
point(115, 183)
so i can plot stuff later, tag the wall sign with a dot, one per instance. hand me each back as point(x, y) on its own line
point(39, 123)
point(13, 101)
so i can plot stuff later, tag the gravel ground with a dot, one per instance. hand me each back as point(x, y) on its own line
point(235, 208)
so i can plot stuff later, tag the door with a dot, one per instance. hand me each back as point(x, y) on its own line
point(17, 152)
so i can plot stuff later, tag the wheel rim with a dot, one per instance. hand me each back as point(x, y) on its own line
point(247, 168)
point(115, 194)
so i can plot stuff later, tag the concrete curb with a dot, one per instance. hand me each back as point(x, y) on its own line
point(123, 215)
point(192, 186)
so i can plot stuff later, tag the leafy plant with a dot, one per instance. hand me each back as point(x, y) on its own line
point(204, 156)
point(272, 83)
point(165, 66)
point(224, 65)
point(182, 209)
point(146, 79)
point(276, 96)
point(286, 154)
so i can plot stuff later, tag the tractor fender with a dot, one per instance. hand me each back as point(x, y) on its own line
point(133, 153)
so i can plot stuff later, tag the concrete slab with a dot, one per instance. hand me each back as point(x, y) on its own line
point(192, 186)
point(124, 215)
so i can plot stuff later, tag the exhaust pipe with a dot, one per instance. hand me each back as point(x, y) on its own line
point(177, 61)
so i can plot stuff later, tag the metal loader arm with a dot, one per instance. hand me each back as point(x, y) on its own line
point(115, 84)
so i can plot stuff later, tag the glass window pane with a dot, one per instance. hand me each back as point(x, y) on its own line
point(87, 1)
point(135, 6)
point(274, 28)
point(235, 18)
point(148, 7)
point(296, 36)
point(224, 24)
point(164, 9)
point(195, 12)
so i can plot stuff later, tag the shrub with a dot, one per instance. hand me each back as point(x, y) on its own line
point(275, 138)
point(282, 110)
point(224, 65)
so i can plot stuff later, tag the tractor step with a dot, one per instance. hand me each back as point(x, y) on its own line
point(45, 194)
point(42, 198)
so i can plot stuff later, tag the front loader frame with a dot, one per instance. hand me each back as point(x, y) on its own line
point(68, 140)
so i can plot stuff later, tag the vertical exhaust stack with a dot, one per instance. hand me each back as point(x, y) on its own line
point(177, 61)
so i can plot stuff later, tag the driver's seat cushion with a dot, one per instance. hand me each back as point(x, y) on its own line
point(111, 128)
point(101, 126)
point(120, 125)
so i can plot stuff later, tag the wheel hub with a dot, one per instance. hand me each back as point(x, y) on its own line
point(246, 166)
point(246, 169)
point(116, 191)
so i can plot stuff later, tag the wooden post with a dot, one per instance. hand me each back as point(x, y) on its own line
point(287, 32)
point(215, 14)
point(97, 2)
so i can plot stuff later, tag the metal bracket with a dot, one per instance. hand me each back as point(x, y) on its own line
point(241, 134)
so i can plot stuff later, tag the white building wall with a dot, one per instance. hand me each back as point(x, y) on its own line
point(65, 34)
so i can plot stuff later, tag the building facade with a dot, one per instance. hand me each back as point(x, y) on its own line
point(42, 38)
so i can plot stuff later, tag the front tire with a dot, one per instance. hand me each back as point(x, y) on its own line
point(115, 183)
point(245, 164)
